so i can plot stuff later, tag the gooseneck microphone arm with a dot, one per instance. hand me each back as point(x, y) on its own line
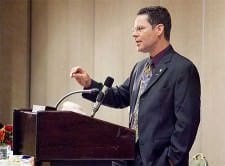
point(94, 90)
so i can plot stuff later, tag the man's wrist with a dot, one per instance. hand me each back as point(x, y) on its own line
point(88, 84)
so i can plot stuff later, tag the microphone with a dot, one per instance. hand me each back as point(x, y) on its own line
point(107, 84)
point(94, 90)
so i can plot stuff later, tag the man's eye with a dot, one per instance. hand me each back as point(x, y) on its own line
point(140, 28)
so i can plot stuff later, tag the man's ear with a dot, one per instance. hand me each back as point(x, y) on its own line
point(159, 29)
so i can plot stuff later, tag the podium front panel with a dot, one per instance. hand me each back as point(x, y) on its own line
point(65, 135)
point(69, 135)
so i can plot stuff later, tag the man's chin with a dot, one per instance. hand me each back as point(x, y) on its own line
point(141, 50)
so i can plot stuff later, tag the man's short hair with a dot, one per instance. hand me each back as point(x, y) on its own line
point(158, 15)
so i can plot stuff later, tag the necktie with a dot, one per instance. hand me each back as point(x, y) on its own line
point(145, 77)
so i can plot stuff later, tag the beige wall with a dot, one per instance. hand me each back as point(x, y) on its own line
point(96, 34)
point(213, 67)
point(62, 36)
point(14, 59)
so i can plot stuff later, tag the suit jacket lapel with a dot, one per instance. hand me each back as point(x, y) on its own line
point(159, 71)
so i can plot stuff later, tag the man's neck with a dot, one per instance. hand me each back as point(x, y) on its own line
point(158, 48)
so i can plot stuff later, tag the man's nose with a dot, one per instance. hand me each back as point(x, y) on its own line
point(135, 34)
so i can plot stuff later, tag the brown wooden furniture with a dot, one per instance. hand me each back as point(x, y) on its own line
point(65, 136)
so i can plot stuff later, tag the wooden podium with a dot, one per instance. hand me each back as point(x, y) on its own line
point(68, 137)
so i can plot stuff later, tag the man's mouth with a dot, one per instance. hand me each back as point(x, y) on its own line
point(138, 43)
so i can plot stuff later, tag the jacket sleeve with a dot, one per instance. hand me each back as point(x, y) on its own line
point(187, 113)
point(118, 96)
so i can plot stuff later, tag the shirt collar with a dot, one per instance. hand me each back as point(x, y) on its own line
point(156, 59)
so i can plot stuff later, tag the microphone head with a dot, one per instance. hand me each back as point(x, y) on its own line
point(108, 82)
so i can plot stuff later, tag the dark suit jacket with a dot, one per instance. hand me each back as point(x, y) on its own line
point(169, 108)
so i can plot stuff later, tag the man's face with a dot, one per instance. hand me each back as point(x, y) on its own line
point(144, 34)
